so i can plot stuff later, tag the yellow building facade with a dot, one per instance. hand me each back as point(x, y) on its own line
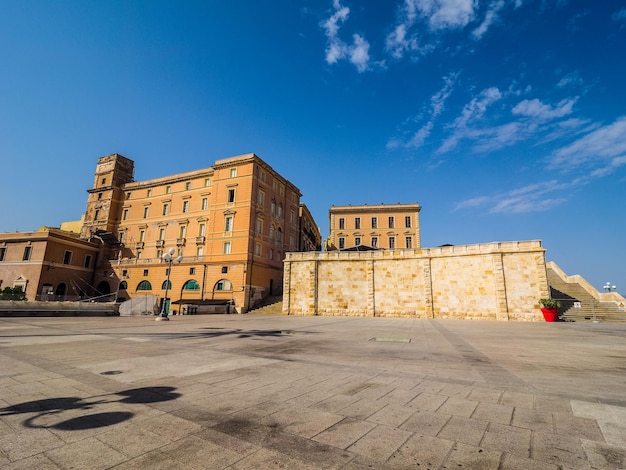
point(230, 225)
point(381, 226)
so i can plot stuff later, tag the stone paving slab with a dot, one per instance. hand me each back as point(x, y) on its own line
point(241, 392)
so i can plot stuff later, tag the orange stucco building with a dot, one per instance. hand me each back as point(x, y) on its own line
point(230, 223)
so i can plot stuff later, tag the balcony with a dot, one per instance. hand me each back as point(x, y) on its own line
point(160, 243)
point(180, 241)
point(139, 245)
point(200, 240)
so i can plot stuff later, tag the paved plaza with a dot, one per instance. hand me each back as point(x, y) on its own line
point(257, 391)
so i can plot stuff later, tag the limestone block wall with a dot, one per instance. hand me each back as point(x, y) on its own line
point(496, 281)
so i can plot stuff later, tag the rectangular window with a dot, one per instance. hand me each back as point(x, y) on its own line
point(127, 195)
point(96, 214)
point(292, 217)
point(168, 189)
point(342, 243)
point(228, 225)
point(185, 207)
point(408, 242)
point(162, 233)
point(374, 222)
point(342, 223)
point(125, 214)
point(201, 230)
point(357, 241)
point(374, 242)
point(183, 231)
point(27, 252)
point(271, 253)
point(392, 222)
point(260, 198)
point(192, 271)
point(166, 209)
point(67, 257)
point(231, 195)
point(99, 196)
point(139, 254)
point(233, 172)
point(200, 251)
point(205, 203)
point(407, 221)
point(224, 269)
point(227, 248)
point(207, 182)
point(392, 243)
point(146, 212)
point(357, 222)
point(257, 249)
point(87, 261)
point(3, 252)
point(259, 226)
point(149, 193)
point(142, 235)
point(188, 185)
point(145, 272)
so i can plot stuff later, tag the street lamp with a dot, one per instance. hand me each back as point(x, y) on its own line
point(608, 287)
point(169, 260)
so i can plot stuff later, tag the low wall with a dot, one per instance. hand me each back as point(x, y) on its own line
point(495, 281)
point(11, 308)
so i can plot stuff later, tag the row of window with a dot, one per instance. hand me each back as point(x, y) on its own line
point(192, 284)
point(28, 251)
point(391, 242)
point(391, 222)
point(168, 188)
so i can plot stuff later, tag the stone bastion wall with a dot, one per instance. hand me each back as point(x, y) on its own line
point(493, 281)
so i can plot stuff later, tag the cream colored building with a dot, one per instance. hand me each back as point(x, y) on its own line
point(230, 223)
point(386, 226)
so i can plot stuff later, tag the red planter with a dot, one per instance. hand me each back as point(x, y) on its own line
point(550, 314)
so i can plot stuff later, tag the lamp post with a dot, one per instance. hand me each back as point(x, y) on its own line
point(169, 260)
point(608, 287)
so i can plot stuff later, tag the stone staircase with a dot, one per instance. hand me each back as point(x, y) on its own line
point(591, 307)
point(271, 306)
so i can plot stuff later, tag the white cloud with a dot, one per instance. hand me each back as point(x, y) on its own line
point(571, 79)
point(620, 15)
point(472, 111)
point(357, 53)
point(603, 144)
point(437, 106)
point(536, 109)
point(445, 14)
point(490, 17)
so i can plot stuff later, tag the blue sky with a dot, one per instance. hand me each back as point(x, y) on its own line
point(504, 119)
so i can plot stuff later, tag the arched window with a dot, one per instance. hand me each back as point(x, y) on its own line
point(61, 288)
point(191, 284)
point(280, 210)
point(223, 284)
point(166, 285)
point(144, 285)
point(123, 285)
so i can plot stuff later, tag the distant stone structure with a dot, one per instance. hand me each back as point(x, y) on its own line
point(492, 281)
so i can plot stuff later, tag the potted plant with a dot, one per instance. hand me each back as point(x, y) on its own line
point(550, 309)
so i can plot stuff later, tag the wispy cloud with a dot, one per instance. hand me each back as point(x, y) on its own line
point(620, 15)
point(356, 53)
point(603, 147)
point(536, 109)
point(436, 107)
point(472, 111)
point(535, 197)
point(490, 17)
point(445, 14)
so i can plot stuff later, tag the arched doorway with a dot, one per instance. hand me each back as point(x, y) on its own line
point(60, 291)
point(103, 288)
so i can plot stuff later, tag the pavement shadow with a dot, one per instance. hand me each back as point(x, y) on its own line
point(215, 332)
point(49, 413)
